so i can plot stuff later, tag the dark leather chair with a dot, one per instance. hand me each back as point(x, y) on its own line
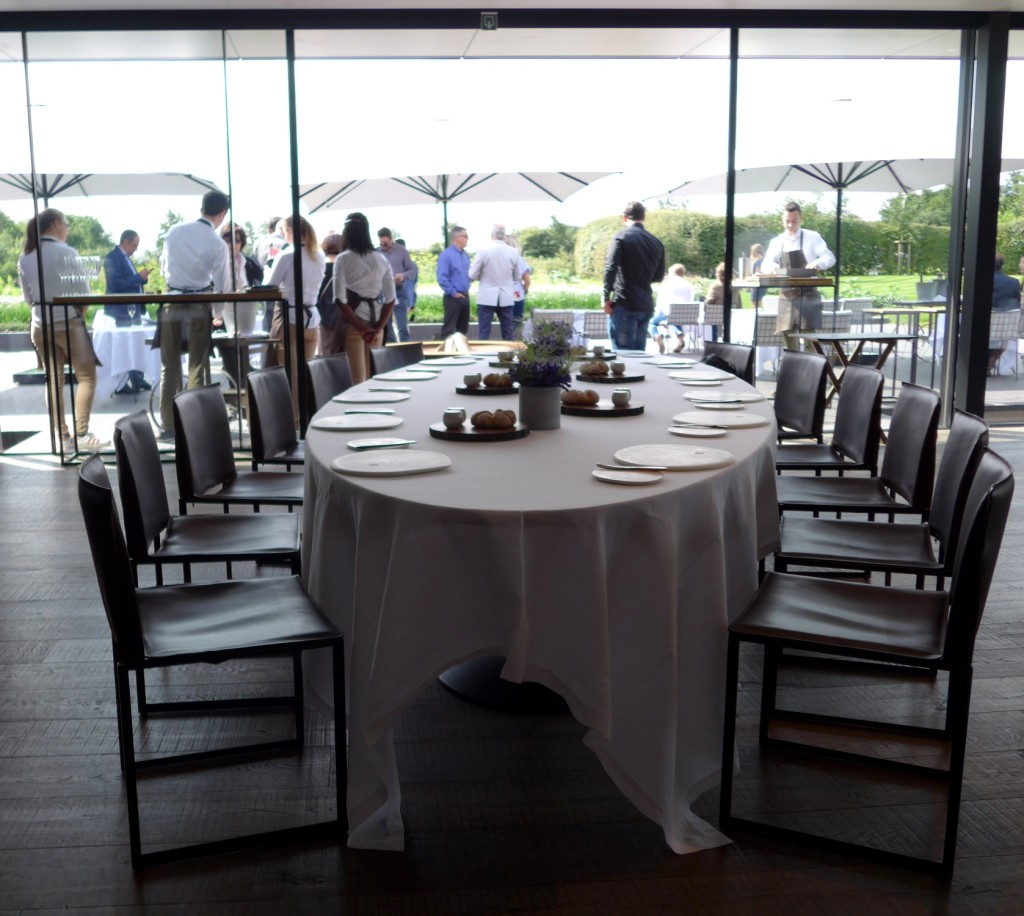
point(327, 376)
point(156, 537)
point(918, 550)
point(904, 484)
point(858, 428)
point(915, 629)
point(204, 459)
point(737, 355)
point(800, 396)
point(203, 624)
point(394, 356)
point(272, 420)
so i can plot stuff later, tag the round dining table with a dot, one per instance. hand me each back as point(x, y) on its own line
point(616, 597)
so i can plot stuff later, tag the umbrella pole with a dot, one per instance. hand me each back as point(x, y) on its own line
point(839, 248)
point(444, 208)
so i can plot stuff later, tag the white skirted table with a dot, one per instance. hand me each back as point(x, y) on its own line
point(616, 597)
point(121, 349)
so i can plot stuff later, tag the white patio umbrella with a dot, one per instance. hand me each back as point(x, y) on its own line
point(15, 186)
point(480, 187)
point(897, 176)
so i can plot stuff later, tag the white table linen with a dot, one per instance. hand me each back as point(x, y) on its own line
point(120, 350)
point(616, 597)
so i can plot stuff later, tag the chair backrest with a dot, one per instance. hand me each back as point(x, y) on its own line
point(327, 376)
point(110, 558)
point(714, 313)
point(271, 419)
point(595, 324)
point(977, 549)
point(908, 465)
point(858, 424)
point(740, 356)
point(856, 309)
point(839, 322)
point(800, 393)
point(140, 478)
point(684, 314)
point(1003, 325)
point(765, 334)
point(394, 356)
point(968, 435)
point(204, 457)
point(560, 316)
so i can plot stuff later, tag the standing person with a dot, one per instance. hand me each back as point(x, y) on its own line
point(332, 245)
point(46, 241)
point(496, 266)
point(636, 259)
point(362, 281)
point(522, 284)
point(675, 289)
point(797, 248)
point(194, 260)
point(123, 277)
point(415, 282)
point(453, 278)
point(404, 271)
point(283, 276)
point(265, 249)
point(1005, 298)
point(756, 260)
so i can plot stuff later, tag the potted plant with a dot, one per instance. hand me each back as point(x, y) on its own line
point(543, 369)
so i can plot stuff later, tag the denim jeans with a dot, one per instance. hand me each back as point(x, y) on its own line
point(629, 328)
point(485, 314)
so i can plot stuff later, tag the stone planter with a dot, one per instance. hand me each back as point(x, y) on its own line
point(541, 407)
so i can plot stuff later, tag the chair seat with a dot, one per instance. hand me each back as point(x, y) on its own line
point(858, 545)
point(811, 456)
point(268, 487)
point(220, 538)
point(847, 615)
point(233, 616)
point(837, 494)
point(294, 455)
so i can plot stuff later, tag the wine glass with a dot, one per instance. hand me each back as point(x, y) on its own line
point(132, 307)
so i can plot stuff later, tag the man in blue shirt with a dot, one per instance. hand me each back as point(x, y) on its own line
point(405, 271)
point(122, 277)
point(453, 278)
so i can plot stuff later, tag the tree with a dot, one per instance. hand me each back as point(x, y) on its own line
point(87, 236)
point(556, 240)
point(12, 236)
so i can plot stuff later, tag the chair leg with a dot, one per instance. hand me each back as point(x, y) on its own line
point(186, 572)
point(124, 706)
point(957, 712)
point(300, 722)
point(340, 730)
point(769, 683)
point(729, 731)
point(140, 691)
point(228, 568)
point(158, 569)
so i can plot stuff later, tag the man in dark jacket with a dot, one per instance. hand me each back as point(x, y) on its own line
point(1005, 298)
point(636, 259)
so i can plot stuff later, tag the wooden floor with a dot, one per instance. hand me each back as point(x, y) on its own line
point(504, 814)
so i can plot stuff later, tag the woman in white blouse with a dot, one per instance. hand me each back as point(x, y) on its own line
point(364, 288)
point(283, 277)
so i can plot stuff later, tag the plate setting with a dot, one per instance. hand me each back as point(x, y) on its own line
point(741, 420)
point(349, 422)
point(370, 397)
point(675, 457)
point(725, 397)
point(384, 462)
point(626, 477)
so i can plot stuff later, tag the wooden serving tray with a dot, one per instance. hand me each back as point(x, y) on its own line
point(602, 409)
point(469, 433)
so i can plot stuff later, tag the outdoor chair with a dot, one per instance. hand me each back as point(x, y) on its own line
point(800, 396)
point(921, 550)
point(204, 624)
point(685, 316)
point(557, 316)
point(204, 459)
point(395, 356)
point(856, 435)
point(737, 355)
point(904, 483)
point(714, 317)
point(327, 376)
point(840, 322)
point(1004, 332)
point(767, 338)
point(914, 629)
point(155, 537)
point(272, 420)
point(595, 325)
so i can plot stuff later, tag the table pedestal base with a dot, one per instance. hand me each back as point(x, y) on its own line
point(479, 681)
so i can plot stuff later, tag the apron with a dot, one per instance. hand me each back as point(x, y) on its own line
point(799, 308)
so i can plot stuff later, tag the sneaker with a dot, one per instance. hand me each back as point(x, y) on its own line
point(90, 441)
point(69, 443)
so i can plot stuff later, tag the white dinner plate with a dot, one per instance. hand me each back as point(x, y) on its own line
point(670, 362)
point(449, 361)
point(697, 432)
point(732, 420)
point(724, 397)
point(349, 422)
point(628, 478)
point(675, 457)
point(719, 405)
point(370, 397)
point(379, 442)
point(391, 462)
point(702, 383)
point(406, 375)
point(697, 375)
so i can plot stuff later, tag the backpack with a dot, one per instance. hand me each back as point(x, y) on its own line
point(253, 271)
point(716, 362)
point(325, 300)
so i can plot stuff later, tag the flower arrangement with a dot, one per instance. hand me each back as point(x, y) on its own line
point(547, 358)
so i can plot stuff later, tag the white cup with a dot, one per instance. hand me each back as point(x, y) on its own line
point(454, 417)
point(471, 380)
point(621, 396)
point(598, 351)
point(618, 368)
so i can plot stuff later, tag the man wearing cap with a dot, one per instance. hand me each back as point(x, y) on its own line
point(194, 260)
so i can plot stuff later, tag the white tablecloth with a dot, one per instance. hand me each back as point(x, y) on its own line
point(616, 597)
point(120, 350)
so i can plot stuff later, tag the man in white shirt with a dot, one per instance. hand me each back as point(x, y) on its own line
point(799, 308)
point(194, 260)
point(496, 266)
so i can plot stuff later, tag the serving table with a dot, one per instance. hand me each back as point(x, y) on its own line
point(616, 597)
